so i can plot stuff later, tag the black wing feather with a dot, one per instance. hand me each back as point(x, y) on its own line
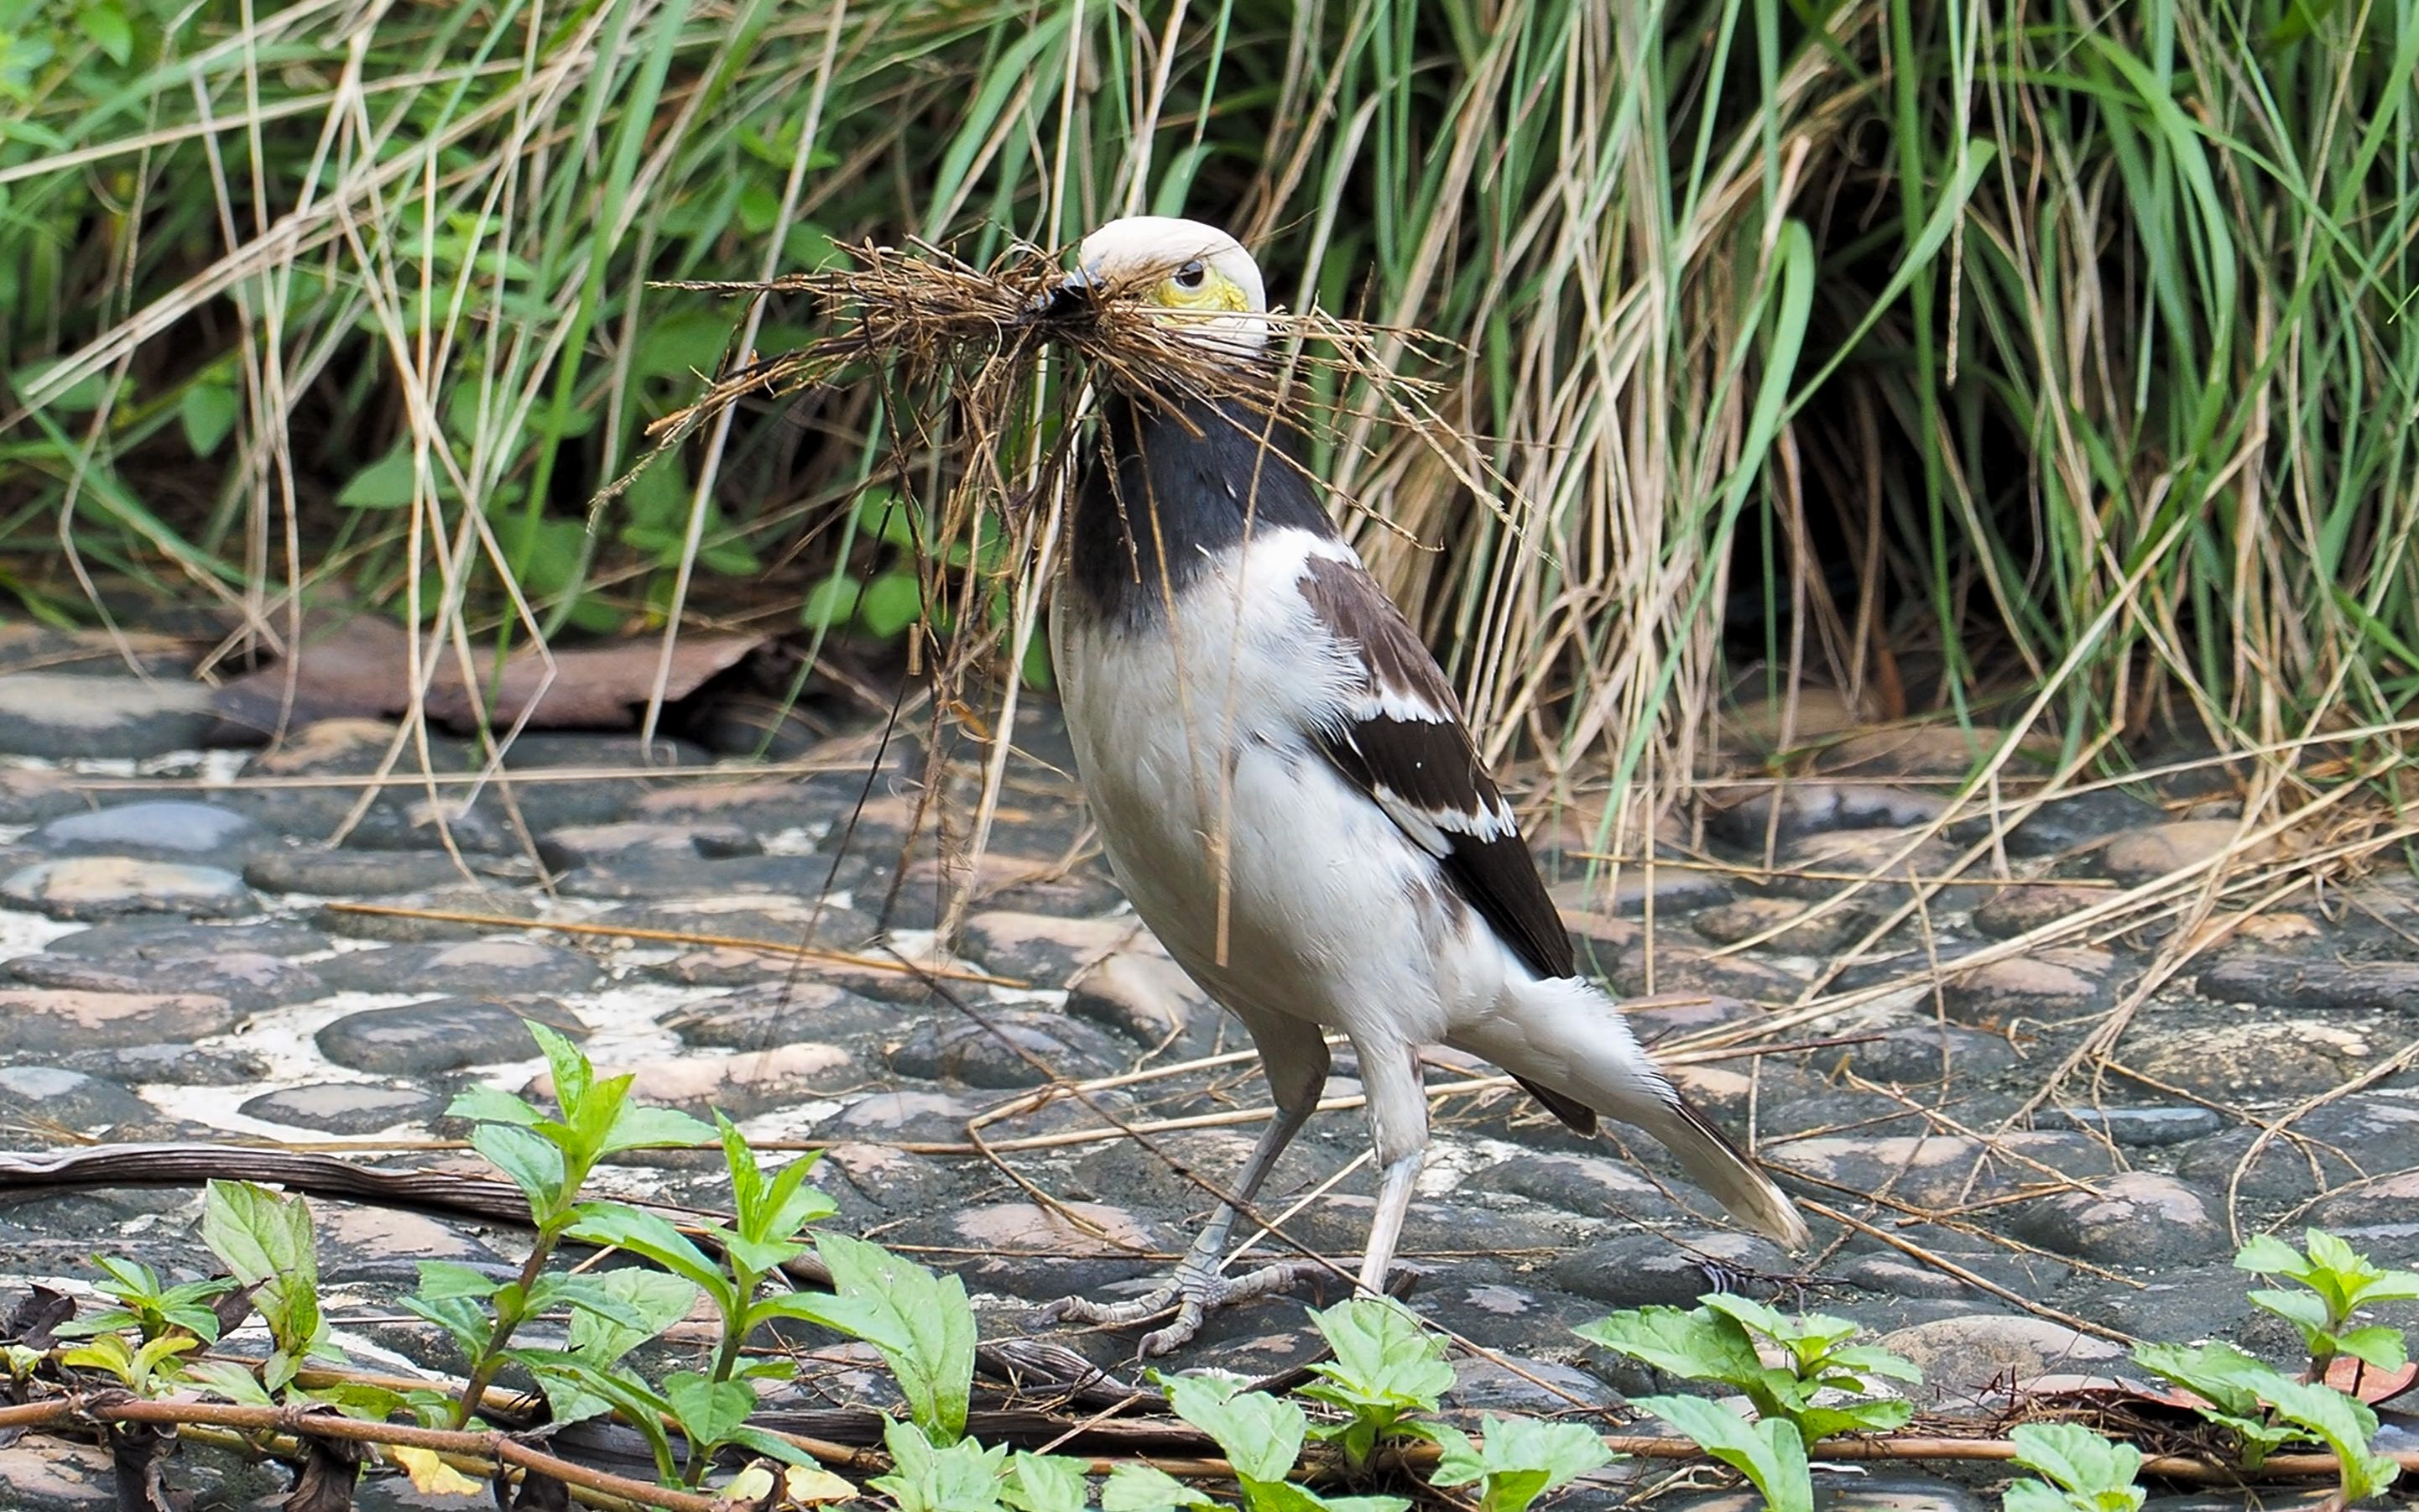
point(1427, 771)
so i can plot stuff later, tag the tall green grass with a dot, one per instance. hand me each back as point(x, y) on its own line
point(1979, 362)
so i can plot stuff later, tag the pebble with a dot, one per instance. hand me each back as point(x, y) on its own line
point(1688, 970)
point(496, 965)
point(742, 1085)
point(345, 1107)
point(445, 1034)
point(1975, 1359)
point(159, 939)
point(651, 874)
point(2266, 1057)
point(2013, 911)
point(2276, 981)
point(1792, 932)
point(1915, 750)
point(1643, 1269)
point(2062, 824)
point(602, 845)
point(2059, 984)
point(46, 1022)
point(67, 716)
point(1591, 1186)
point(98, 887)
point(409, 928)
point(53, 1096)
point(2132, 1218)
point(1669, 890)
point(2153, 851)
point(2139, 1128)
point(1922, 1054)
point(777, 1014)
point(1936, 1171)
point(1143, 996)
point(1006, 1048)
point(161, 828)
point(247, 978)
point(1040, 948)
point(342, 873)
point(1812, 807)
point(30, 795)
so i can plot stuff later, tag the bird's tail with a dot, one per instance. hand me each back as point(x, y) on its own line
point(1567, 1037)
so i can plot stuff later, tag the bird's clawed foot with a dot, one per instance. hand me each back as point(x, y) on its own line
point(1193, 1292)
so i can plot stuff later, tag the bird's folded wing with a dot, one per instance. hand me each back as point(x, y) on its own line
point(1404, 744)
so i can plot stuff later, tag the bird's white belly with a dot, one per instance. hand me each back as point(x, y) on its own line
point(1270, 877)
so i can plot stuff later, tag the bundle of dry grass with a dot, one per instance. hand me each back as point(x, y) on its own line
point(924, 317)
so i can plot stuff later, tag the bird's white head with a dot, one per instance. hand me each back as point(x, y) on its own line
point(1196, 280)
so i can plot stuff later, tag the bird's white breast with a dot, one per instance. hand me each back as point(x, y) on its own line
point(1274, 881)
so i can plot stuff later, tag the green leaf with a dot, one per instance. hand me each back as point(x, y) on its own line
point(1518, 1460)
point(708, 1411)
point(1132, 1488)
point(890, 603)
point(639, 1126)
point(441, 1279)
point(620, 1226)
point(1383, 1354)
point(208, 412)
point(1044, 1483)
point(529, 1158)
point(389, 483)
point(2097, 1471)
point(925, 1330)
point(489, 1104)
point(1698, 1345)
point(1769, 1452)
point(1260, 1434)
point(108, 28)
point(829, 604)
point(266, 1241)
point(959, 1477)
point(2378, 1346)
point(227, 1379)
point(2347, 1426)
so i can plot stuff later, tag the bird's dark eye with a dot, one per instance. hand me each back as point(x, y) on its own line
point(1191, 274)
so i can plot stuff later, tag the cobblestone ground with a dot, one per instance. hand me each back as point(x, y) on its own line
point(181, 964)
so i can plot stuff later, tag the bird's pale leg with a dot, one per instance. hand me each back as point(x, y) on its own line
point(1399, 1126)
point(1294, 1056)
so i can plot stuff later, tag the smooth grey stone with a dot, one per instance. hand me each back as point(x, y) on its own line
point(2062, 824)
point(2141, 1128)
point(1044, 947)
point(64, 715)
point(170, 1064)
point(766, 918)
point(1009, 1047)
point(70, 1099)
point(159, 939)
point(602, 845)
point(1512, 1385)
point(1637, 1269)
point(448, 1033)
point(642, 876)
point(1591, 1186)
point(1919, 1055)
point(1931, 1170)
point(2132, 1218)
point(33, 795)
point(1976, 1358)
point(764, 1017)
point(250, 980)
point(2177, 1302)
point(101, 886)
point(405, 927)
point(344, 1107)
point(46, 1022)
point(500, 964)
point(345, 874)
point(2281, 981)
point(1816, 805)
point(164, 826)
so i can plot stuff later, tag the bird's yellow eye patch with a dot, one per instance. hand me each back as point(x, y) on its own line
point(1197, 287)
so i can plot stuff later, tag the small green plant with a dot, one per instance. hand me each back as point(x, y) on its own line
point(2264, 1408)
point(142, 1369)
point(2339, 1281)
point(151, 1308)
point(266, 1241)
point(2087, 1472)
point(1716, 1341)
point(1387, 1368)
point(1517, 1459)
point(549, 1160)
point(1262, 1436)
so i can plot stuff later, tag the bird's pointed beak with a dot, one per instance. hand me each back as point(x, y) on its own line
point(1075, 295)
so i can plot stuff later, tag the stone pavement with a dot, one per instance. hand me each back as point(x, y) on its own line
point(176, 962)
